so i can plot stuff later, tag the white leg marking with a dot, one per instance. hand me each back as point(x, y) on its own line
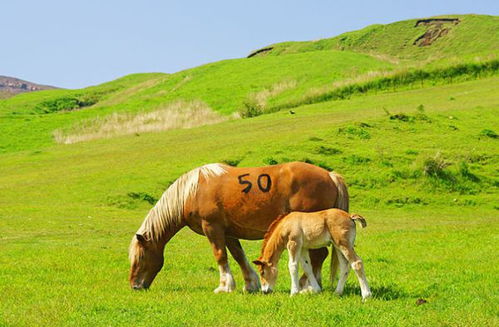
point(293, 271)
point(227, 283)
point(358, 267)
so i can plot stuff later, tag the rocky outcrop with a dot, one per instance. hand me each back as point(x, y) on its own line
point(10, 86)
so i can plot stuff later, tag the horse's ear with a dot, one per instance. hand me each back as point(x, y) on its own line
point(141, 238)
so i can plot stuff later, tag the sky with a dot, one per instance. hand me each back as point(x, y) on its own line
point(74, 44)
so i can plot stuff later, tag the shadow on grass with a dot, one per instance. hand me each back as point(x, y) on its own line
point(386, 293)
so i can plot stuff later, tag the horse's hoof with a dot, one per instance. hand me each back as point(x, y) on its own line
point(366, 297)
point(222, 289)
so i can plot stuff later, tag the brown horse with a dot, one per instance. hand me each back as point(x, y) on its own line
point(301, 231)
point(227, 204)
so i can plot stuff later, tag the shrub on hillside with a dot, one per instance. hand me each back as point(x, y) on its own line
point(251, 108)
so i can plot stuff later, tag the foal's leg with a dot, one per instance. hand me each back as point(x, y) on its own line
point(216, 236)
point(317, 257)
point(252, 282)
point(357, 265)
point(294, 255)
point(307, 268)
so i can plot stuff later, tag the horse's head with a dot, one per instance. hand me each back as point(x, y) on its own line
point(146, 259)
point(268, 274)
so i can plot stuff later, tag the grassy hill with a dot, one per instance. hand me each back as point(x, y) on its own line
point(463, 35)
point(259, 84)
point(420, 159)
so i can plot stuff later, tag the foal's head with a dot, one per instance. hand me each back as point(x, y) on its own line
point(146, 259)
point(268, 274)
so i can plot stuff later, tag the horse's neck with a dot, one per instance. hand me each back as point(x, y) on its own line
point(169, 232)
point(275, 247)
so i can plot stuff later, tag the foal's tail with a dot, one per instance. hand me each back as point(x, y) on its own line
point(342, 202)
point(362, 220)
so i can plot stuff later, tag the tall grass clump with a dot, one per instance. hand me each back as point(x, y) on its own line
point(179, 114)
point(256, 103)
point(394, 80)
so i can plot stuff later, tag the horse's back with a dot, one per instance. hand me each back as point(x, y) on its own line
point(247, 200)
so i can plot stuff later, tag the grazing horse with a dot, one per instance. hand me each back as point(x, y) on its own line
point(226, 204)
point(301, 231)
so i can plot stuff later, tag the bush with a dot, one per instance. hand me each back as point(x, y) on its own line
point(251, 109)
point(232, 162)
point(434, 167)
point(328, 151)
point(489, 133)
point(270, 161)
point(354, 131)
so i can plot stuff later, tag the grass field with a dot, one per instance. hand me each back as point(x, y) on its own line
point(420, 158)
point(421, 165)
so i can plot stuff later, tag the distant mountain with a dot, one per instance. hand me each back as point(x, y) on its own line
point(10, 86)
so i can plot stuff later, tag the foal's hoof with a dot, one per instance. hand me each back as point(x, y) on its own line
point(310, 290)
point(367, 297)
point(221, 290)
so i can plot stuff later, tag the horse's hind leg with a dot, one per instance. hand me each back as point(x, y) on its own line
point(344, 270)
point(317, 257)
point(216, 236)
point(252, 282)
point(357, 265)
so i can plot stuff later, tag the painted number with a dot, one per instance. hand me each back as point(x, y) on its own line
point(243, 182)
point(263, 181)
point(268, 182)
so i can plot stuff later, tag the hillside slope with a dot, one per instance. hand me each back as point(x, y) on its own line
point(410, 41)
point(424, 175)
point(290, 75)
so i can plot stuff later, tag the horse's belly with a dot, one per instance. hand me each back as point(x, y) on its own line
point(317, 241)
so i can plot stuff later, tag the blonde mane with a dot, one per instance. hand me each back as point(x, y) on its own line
point(270, 232)
point(169, 209)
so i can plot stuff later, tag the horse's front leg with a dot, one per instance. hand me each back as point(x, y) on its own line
point(294, 250)
point(216, 235)
point(252, 282)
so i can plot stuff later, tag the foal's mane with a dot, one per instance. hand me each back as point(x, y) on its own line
point(271, 230)
point(169, 209)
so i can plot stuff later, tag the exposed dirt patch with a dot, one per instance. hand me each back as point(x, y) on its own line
point(437, 28)
point(260, 51)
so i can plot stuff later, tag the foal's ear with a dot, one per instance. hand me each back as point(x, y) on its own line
point(258, 263)
point(141, 238)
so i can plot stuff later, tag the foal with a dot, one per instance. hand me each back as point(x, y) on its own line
point(301, 231)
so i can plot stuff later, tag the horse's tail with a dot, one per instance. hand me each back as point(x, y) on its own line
point(359, 218)
point(342, 200)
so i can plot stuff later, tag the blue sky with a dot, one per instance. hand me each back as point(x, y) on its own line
point(80, 43)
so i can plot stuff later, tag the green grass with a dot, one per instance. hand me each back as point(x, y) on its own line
point(224, 86)
point(419, 155)
point(27, 121)
point(473, 35)
point(67, 214)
